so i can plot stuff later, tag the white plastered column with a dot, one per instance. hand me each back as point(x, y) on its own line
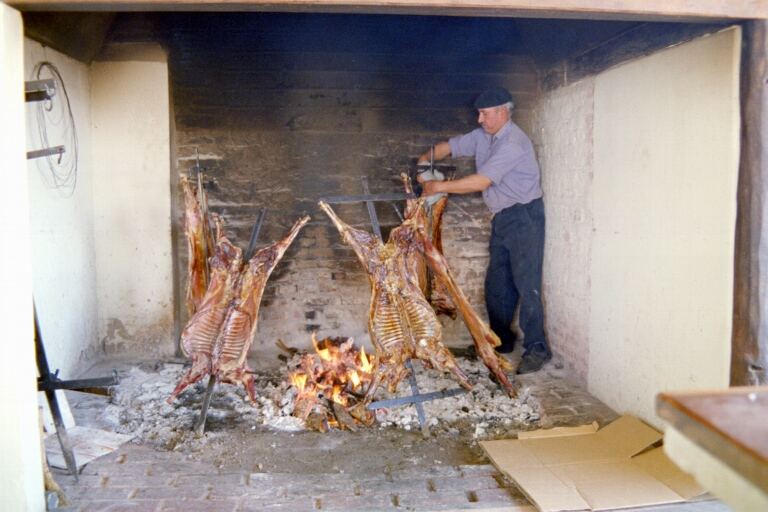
point(21, 476)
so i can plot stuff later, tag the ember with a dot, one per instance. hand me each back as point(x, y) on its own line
point(331, 384)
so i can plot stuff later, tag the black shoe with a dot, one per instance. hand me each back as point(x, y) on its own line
point(533, 362)
point(505, 348)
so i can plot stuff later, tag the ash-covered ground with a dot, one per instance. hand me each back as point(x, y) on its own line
point(138, 407)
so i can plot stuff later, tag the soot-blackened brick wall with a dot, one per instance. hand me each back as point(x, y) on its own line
point(285, 109)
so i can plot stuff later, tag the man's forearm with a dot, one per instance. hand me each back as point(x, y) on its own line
point(442, 150)
point(465, 185)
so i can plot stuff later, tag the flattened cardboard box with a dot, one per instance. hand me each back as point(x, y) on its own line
point(583, 468)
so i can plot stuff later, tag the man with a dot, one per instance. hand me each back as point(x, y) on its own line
point(509, 178)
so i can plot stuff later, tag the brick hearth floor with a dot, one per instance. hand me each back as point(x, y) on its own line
point(141, 478)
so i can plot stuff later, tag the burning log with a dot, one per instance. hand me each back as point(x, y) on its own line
point(331, 383)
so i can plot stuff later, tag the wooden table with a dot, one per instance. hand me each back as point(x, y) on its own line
point(732, 425)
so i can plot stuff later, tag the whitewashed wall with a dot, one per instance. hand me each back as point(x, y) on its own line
point(640, 171)
point(63, 251)
point(132, 212)
point(21, 482)
point(666, 168)
point(562, 133)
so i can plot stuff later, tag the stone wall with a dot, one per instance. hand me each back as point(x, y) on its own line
point(283, 111)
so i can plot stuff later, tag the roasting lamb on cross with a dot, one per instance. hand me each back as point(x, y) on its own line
point(401, 323)
point(218, 336)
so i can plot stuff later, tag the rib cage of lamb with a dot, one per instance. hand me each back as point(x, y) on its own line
point(218, 336)
point(401, 322)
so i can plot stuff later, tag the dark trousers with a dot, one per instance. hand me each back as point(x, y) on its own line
point(514, 275)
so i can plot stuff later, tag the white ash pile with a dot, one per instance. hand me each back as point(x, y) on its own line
point(482, 413)
point(139, 406)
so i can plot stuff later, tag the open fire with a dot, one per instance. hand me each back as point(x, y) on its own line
point(331, 385)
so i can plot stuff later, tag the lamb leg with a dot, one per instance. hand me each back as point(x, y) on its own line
point(201, 366)
point(363, 243)
point(439, 296)
point(197, 249)
point(485, 339)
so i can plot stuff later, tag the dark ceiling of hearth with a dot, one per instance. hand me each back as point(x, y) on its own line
point(82, 35)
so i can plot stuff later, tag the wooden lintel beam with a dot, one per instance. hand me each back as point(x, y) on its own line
point(678, 10)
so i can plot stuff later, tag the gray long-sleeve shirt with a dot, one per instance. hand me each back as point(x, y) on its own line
point(507, 159)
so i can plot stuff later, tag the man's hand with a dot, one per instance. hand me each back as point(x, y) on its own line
point(431, 187)
point(420, 175)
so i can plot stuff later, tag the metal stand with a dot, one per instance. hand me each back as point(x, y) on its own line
point(416, 398)
point(50, 382)
point(199, 426)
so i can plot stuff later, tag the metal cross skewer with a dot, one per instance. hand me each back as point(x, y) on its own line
point(199, 426)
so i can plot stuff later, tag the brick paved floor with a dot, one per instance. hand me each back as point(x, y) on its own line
point(371, 470)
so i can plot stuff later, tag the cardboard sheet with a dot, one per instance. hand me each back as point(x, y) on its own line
point(87, 444)
point(583, 468)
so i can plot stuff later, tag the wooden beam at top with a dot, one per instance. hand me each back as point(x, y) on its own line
point(678, 10)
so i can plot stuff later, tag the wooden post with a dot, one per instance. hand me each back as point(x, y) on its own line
point(749, 360)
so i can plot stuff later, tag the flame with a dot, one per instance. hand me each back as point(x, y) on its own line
point(324, 353)
point(334, 374)
point(299, 380)
point(336, 395)
point(366, 367)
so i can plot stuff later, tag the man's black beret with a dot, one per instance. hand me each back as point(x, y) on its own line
point(493, 98)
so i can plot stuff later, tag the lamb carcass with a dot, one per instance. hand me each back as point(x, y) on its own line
point(401, 323)
point(218, 336)
point(484, 338)
point(433, 288)
point(200, 334)
point(231, 349)
point(444, 293)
